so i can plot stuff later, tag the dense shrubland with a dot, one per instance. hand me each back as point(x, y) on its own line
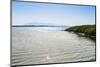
point(88, 30)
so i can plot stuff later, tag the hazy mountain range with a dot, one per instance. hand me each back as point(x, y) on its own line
point(40, 25)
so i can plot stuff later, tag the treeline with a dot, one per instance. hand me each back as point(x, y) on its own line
point(88, 30)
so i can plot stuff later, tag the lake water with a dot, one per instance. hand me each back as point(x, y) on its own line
point(40, 46)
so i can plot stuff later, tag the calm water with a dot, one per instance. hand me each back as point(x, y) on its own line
point(40, 46)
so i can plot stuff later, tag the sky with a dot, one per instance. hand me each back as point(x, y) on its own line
point(24, 13)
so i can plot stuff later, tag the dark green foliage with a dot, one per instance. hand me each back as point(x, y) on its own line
point(89, 30)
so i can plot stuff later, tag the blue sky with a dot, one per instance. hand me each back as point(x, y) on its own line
point(57, 14)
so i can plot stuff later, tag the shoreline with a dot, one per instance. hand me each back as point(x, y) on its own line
point(84, 30)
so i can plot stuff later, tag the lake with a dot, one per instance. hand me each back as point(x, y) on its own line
point(40, 46)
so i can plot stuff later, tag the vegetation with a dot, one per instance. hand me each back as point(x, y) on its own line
point(88, 30)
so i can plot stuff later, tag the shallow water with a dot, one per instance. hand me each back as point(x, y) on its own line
point(34, 46)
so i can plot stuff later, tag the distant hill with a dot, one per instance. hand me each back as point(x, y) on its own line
point(39, 25)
